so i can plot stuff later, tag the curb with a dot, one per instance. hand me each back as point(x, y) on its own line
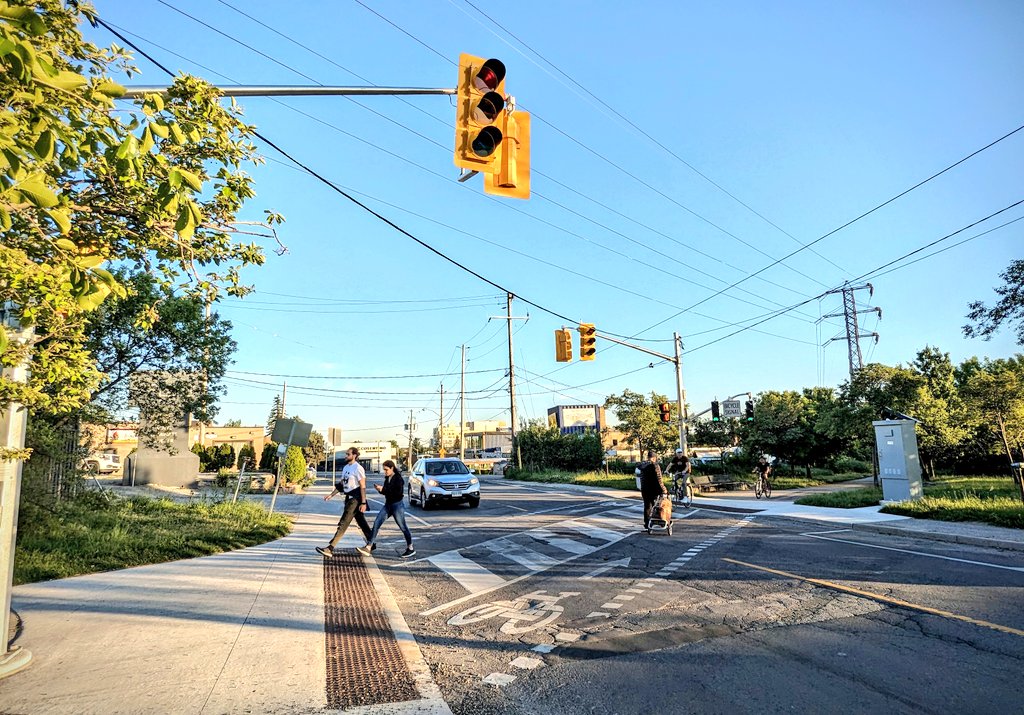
point(965, 539)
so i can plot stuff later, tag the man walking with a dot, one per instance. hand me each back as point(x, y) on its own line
point(651, 484)
point(353, 485)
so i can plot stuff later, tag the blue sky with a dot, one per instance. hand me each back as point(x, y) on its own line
point(778, 123)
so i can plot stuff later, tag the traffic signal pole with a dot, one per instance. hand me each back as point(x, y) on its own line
point(239, 90)
point(677, 360)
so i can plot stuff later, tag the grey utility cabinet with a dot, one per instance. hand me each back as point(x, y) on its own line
point(899, 466)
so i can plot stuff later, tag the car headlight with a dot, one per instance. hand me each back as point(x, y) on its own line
point(432, 482)
point(474, 480)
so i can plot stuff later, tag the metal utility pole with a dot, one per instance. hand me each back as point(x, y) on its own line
point(411, 426)
point(440, 426)
point(511, 372)
point(852, 326)
point(13, 421)
point(462, 410)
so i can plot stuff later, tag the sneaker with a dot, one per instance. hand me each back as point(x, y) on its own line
point(409, 552)
point(373, 547)
point(325, 551)
point(365, 550)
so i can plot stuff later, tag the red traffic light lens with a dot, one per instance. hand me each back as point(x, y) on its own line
point(490, 75)
point(486, 141)
point(489, 107)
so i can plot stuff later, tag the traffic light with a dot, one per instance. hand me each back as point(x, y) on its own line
point(749, 410)
point(587, 340)
point(513, 177)
point(563, 345)
point(666, 411)
point(480, 101)
point(716, 413)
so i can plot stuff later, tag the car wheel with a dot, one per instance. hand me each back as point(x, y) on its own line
point(408, 493)
point(473, 503)
point(93, 467)
point(424, 504)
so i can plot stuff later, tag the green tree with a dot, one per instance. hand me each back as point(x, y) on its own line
point(156, 188)
point(944, 422)
point(996, 392)
point(1008, 309)
point(233, 423)
point(276, 413)
point(246, 455)
point(182, 340)
point(545, 447)
point(779, 427)
point(640, 420)
point(316, 449)
point(293, 471)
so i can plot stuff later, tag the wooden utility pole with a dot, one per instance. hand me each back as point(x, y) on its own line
point(462, 410)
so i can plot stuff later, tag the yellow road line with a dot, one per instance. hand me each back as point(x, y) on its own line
point(883, 599)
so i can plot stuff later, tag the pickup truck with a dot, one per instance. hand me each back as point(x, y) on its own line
point(102, 463)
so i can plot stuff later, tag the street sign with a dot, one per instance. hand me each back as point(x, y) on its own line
point(731, 408)
point(334, 436)
point(293, 432)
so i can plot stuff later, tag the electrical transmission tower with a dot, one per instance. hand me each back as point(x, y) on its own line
point(853, 331)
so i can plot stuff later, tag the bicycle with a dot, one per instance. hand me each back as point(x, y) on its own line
point(682, 490)
point(763, 486)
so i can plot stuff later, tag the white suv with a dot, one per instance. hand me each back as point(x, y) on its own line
point(102, 463)
point(438, 479)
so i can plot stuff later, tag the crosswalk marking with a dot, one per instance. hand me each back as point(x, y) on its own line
point(472, 576)
point(573, 547)
point(534, 550)
point(533, 560)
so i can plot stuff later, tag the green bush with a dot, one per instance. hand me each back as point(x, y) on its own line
point(851, 464)
point(544, 447)
point(293, 471)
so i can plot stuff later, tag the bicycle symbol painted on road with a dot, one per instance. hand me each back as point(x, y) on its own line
point(526, 613)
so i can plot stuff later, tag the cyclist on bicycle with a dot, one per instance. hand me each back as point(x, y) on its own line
point(680, 465)
point(762, 468)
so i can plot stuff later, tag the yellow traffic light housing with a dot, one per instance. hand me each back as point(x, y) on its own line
point(480, 101)
point(513, 177)
point(588, 336)
point(563, 345)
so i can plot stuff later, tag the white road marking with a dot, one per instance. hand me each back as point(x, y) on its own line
point(606, 567)
point(472, 576)
point(612, 605)
point(519, 508)
point(633, 590)
point(598, 614)
point(533, 560)
point(559, 542)
point(543, 648)
point(623, 597)
point(595, 531)
point(567, 637)
point(1018, 569)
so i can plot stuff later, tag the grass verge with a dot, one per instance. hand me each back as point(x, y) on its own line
point(89, 534)
point(590, 479)
point(782, 481)
point(990, 500)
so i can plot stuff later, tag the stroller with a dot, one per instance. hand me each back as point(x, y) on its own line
point(661, 515)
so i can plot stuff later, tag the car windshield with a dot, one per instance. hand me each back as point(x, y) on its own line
point(435, 469)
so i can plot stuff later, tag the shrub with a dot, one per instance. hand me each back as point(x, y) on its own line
point(852, 464)
point(294, 469)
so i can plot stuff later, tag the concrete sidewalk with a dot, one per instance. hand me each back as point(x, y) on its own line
point(240, 632)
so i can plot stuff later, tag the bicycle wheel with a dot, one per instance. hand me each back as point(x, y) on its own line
point(687, 495)
point(758, 488)
point(767, 489)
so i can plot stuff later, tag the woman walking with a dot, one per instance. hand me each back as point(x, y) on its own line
point(394, 506)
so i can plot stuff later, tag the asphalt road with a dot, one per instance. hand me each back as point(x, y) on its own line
point(548, 601)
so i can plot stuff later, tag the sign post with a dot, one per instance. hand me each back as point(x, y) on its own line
point(287, 433)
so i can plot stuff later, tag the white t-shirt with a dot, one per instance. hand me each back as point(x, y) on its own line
point(351, 475)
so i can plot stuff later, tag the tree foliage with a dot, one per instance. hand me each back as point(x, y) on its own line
point(88, 184)
point(640, 420)
point(545, 447)
point(1008, 309)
